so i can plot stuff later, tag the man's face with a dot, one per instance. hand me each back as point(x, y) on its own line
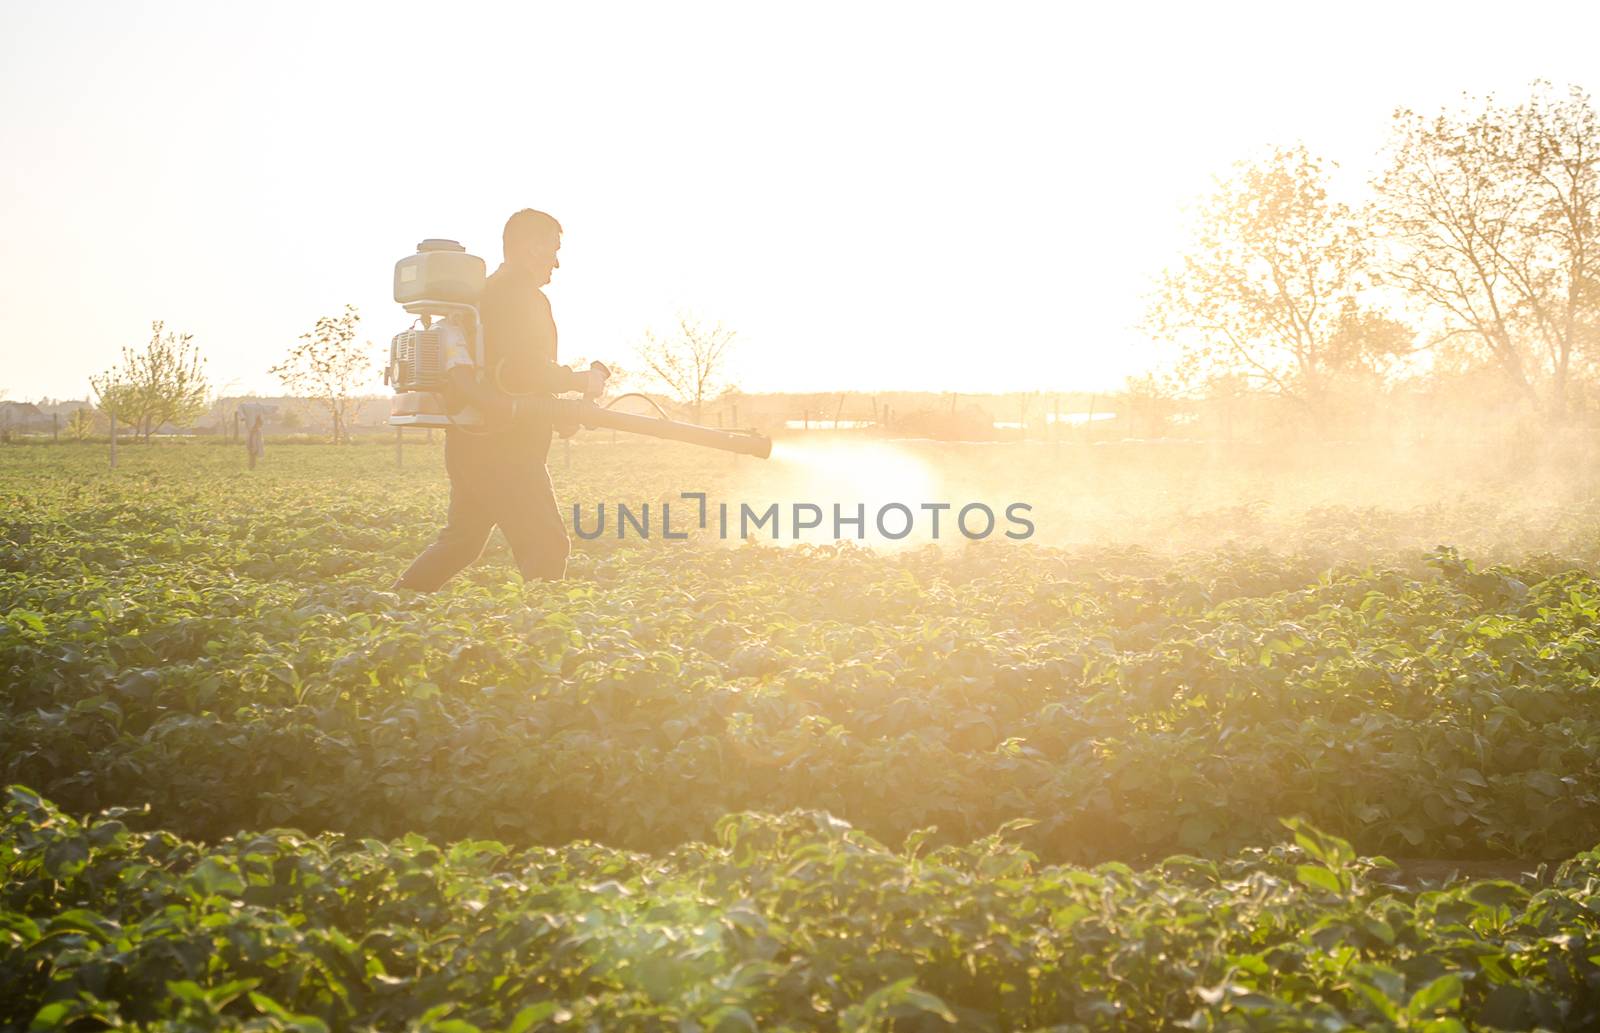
point(541, 254)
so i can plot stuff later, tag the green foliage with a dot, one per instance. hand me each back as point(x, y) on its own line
point(793, 922)
point(207, 650)
point(231, 666)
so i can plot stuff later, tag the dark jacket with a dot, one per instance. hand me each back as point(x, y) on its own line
point(519, 344)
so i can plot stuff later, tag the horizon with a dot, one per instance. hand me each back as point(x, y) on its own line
point(874, 201)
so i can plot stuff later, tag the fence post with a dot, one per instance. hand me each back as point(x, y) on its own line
point(113, 439)
point(55, 426)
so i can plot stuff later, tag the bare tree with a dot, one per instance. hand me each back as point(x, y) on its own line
point(328, 365)
point(1273, 283)
point(1493, 214)
point(163, 383)
point(691, 363)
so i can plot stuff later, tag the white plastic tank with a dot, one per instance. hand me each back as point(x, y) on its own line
point(441, 270)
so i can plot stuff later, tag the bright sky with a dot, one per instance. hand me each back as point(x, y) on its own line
point(917, 196)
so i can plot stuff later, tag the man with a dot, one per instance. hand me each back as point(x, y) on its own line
point(497, 471)
point(255, 443)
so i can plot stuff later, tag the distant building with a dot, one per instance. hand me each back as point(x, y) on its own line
point(23, 418)
point(64, 407)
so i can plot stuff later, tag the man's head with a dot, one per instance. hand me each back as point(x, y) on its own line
point(531, 240)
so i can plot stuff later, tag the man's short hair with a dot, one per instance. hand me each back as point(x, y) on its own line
point(528, 224)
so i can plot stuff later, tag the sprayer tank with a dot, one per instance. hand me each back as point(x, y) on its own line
point(441, 270)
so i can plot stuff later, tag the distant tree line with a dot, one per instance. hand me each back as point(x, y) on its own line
point(164, 383)
point(1477, 258)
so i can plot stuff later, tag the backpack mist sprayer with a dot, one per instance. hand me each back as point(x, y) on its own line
point(441, 284)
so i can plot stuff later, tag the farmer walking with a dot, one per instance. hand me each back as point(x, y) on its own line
point(498, 475)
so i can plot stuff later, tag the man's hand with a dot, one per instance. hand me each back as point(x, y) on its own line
point(592, 381)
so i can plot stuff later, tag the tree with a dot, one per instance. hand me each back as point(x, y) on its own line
point(163, 383)
point(328, 365)
point(1493, 217)
point(1273, 284)
point(80, 424)
point(692, 363)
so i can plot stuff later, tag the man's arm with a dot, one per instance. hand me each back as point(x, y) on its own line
point(499, 408)
point(522, 335)
point(548, 376)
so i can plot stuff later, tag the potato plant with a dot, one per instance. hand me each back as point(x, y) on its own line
point(792, 922)
point(657, 794)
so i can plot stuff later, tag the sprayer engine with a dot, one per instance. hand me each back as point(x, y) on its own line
point(416, 360)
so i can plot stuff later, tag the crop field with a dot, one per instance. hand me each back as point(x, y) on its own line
point(1226, 745)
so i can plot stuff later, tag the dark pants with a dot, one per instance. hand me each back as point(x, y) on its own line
point(494, 486)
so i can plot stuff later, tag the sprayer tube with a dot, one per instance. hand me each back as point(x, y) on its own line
point(593, 416)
